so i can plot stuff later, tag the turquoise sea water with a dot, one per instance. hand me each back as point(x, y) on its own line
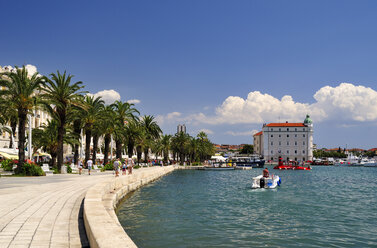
point(325, 207)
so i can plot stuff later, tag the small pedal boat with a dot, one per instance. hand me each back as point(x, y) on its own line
point(270, 182)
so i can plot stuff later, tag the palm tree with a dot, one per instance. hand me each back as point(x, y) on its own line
point(9, 116)
point(77, 125)
point(20, 88)
point(60, 96)
point(46, 138)
point(152, 132)
point(107, 125)
point(91, 116)
point(132, 134)
point(124, 113)
point(180, 144)
point(166, 145)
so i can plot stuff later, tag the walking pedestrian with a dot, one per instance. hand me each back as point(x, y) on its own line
point(130, 165)
point(79, 164)
point(124, 168)
point(116, 167)
point(89, 163)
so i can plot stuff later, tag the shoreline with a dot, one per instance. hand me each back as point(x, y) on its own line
point(101, 222)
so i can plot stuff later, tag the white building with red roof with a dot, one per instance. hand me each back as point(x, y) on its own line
point(289, 141)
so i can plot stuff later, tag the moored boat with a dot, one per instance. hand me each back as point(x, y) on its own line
point(246, 161)
point(290, 166)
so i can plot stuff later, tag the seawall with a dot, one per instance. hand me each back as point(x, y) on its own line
point(101, 223)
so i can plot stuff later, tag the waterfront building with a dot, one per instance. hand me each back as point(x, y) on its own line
point(258, 143)
point(181, 128)
point(289, 141)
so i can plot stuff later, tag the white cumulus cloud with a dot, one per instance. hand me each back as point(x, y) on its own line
point(207, 131)
point(246, 133)
point(31, 69)
point(108, 96)
point(345, 102)
point(134, 101)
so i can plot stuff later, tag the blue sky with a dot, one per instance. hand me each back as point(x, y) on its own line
point(183, 60)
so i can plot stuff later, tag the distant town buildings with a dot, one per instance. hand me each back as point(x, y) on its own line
point(289, 141)
point(181, 128)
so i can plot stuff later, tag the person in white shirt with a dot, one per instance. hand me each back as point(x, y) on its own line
point(89, 163)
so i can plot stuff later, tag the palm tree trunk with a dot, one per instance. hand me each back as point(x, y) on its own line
point(130, 149)
point(13, 126)
point(139, 153)
point(21, 138)
point(53, 159)
point(95, 147)
point(107, 148)
point(61, 132)
point(77, 131)
point(76, 154)
point(118, 144)
point(146, 150)
point(88, 136)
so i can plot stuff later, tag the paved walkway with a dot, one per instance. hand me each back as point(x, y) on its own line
point(44, 211)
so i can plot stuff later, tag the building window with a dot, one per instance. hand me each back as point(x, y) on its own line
point(272, 158)
point(303, 151)
point(295, 159)
point(279, 135)
point(295, 151)
point(287, 143)
point(295, 129)
point(304, 129)
point(272, 143)
point(296, 135)
point(295, 143)
point(287, 129)
point(279, 129)
point(287, 135)
point(279, 143)
point(272, 136)
point(287, 152)
point(303, 142)
point(272, 152)
point(304, 135)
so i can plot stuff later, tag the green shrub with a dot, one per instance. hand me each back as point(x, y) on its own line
point(109, 166)
point(30, 169)
point(196, 163)
point(103, 169)
point(56, 171)
point(136, 166)
point(69, 169)
point(8, 165)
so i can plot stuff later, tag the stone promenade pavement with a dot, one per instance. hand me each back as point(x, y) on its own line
point(44, 211)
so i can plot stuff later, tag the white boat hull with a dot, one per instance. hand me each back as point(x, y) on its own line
point(266, 182)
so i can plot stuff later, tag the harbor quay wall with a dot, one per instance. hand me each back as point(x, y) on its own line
point(102, 226)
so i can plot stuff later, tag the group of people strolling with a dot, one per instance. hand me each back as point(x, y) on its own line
point(127, 165)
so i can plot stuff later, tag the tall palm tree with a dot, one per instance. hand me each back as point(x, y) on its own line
point(91, 116)
point(46, 137)
point(107, 125)
point(152, 132)
point(9, 118)
point(21, 89)
point(77, 126)
point(60, 95)
point(132, 133)
point(166, 146)
point(180, 143)
point(124, 113)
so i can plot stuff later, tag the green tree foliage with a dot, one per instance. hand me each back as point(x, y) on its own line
point(247, 149)
point(20, 88)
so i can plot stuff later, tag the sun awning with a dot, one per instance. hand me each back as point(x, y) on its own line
point(8, 156)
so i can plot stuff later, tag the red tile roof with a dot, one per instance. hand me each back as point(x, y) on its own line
point(285, 125)
point(372, 150)
point(257, 134)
